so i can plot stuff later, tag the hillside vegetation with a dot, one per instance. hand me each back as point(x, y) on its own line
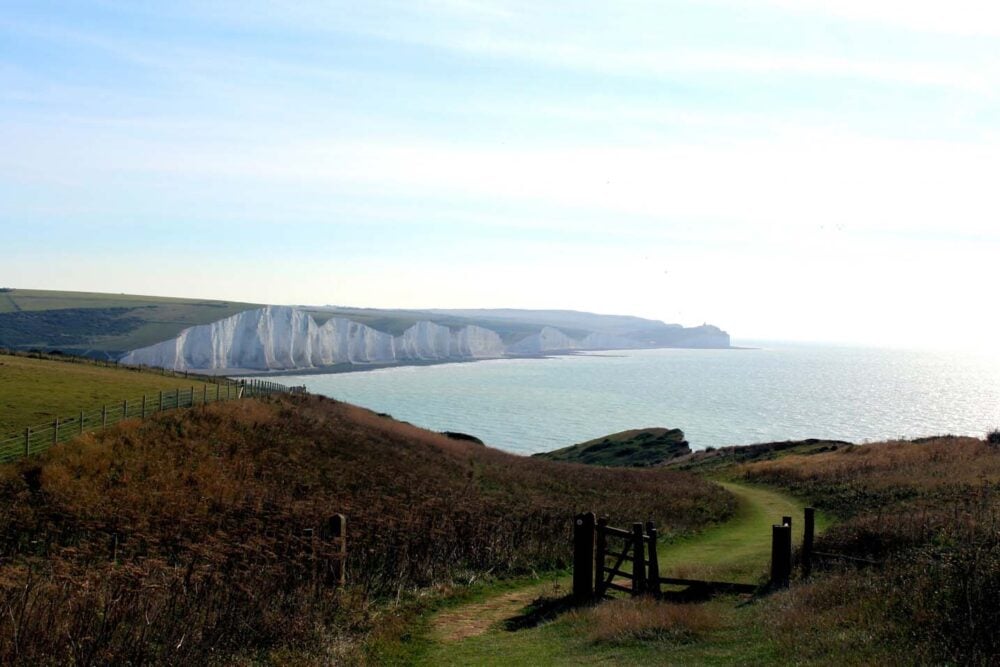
point(180, 539)
point(927, 511)
point(100, 325)
point(634, 448)
point(35, 391)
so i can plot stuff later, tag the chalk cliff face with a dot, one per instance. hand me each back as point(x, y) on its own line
point(271, 338)
point(288, 338)
point(549, 339)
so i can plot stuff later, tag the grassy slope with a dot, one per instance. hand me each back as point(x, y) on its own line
point(36, 391)
point(179, 539)
point(738, 550)
point(159, 318)
point(636, 447)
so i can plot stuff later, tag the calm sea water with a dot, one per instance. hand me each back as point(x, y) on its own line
point(718, 397)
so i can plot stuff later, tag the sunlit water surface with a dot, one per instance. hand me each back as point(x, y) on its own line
point(718, 397)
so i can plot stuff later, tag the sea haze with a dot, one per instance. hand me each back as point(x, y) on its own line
point(718, 397)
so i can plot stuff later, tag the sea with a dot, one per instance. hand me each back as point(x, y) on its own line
point(768, 392)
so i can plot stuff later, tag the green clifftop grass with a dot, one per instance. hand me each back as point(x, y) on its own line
point(635, 448)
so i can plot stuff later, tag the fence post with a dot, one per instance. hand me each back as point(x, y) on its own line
point(639, 562)
point(124, 410)
point(204, 394)
point(781, 555)
point(192, 396)
point(104, 417)
point(600, 555)
point(143, 406)
point(81, 422)
point(653, 582)
point(27, 441)
point(807, 540)
point(338, 530)
point(583, 557)
point(55, 431)
point(177, 397)
point(160, 409)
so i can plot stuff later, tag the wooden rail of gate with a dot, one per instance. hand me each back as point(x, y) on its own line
point(596, 542)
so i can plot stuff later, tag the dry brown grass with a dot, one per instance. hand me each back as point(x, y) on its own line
point(648, 619)
point(930, 512)
point(180, 539)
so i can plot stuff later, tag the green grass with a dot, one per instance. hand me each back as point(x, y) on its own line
point(149, 319)
point(633, 448)
point(36, 391)
point(737, 550)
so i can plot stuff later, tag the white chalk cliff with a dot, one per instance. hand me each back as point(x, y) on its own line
point(288, 338)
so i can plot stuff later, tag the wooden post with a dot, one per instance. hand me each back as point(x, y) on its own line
point(27, 441)
point(161, 401)
point(81, 422)
point(218, 391)
point(124, 409)
point(807, 540)
point(204, 394)
point(104, 416)
point(177, 397)
point(143, 406)
point(781, 555)
point(55, 431)
point(639, 560)
point(600, 555)
point(192, 395)
point(583, 557)
point(653, 582)
point(338, 568)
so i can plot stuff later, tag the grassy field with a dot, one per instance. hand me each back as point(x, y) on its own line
point(36, 391)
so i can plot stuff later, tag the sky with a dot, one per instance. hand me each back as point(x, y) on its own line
point(816, 170)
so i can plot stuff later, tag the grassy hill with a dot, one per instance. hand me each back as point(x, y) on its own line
point(100, 325)
point(634, 448)
point(181, 539)
point(35, 391)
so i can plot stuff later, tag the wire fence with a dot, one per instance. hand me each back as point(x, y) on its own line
point(36, 439)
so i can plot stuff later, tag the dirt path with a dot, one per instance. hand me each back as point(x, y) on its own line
point(737, 550)
point(475, 618)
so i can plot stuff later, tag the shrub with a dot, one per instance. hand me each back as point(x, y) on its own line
point(993, 437)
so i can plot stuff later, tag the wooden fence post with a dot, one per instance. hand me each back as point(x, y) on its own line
point(104, 417)
point(55, 431)
point(338, 531)
point(583, 557)
point(124, 410)
point(204, 394)
point(27, 441)
point(81, 422)
point(653, 582)
point(143, 406)
point(600, 555)
point(177, 397)
point(192, 396)
point(807, 540)
point(639, 560)
point(781, 555)
point(218, 391)
point(160, 409)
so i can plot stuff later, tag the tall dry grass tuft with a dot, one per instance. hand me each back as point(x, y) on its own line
point(648, 619)
point(182, 539)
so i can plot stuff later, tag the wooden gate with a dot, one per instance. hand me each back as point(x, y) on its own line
point(601, 552)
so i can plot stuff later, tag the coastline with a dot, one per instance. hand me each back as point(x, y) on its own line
point(337, 369)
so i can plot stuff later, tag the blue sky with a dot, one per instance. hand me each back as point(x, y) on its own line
point(815, 170)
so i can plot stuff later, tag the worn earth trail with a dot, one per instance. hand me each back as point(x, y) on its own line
point(738, 550)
